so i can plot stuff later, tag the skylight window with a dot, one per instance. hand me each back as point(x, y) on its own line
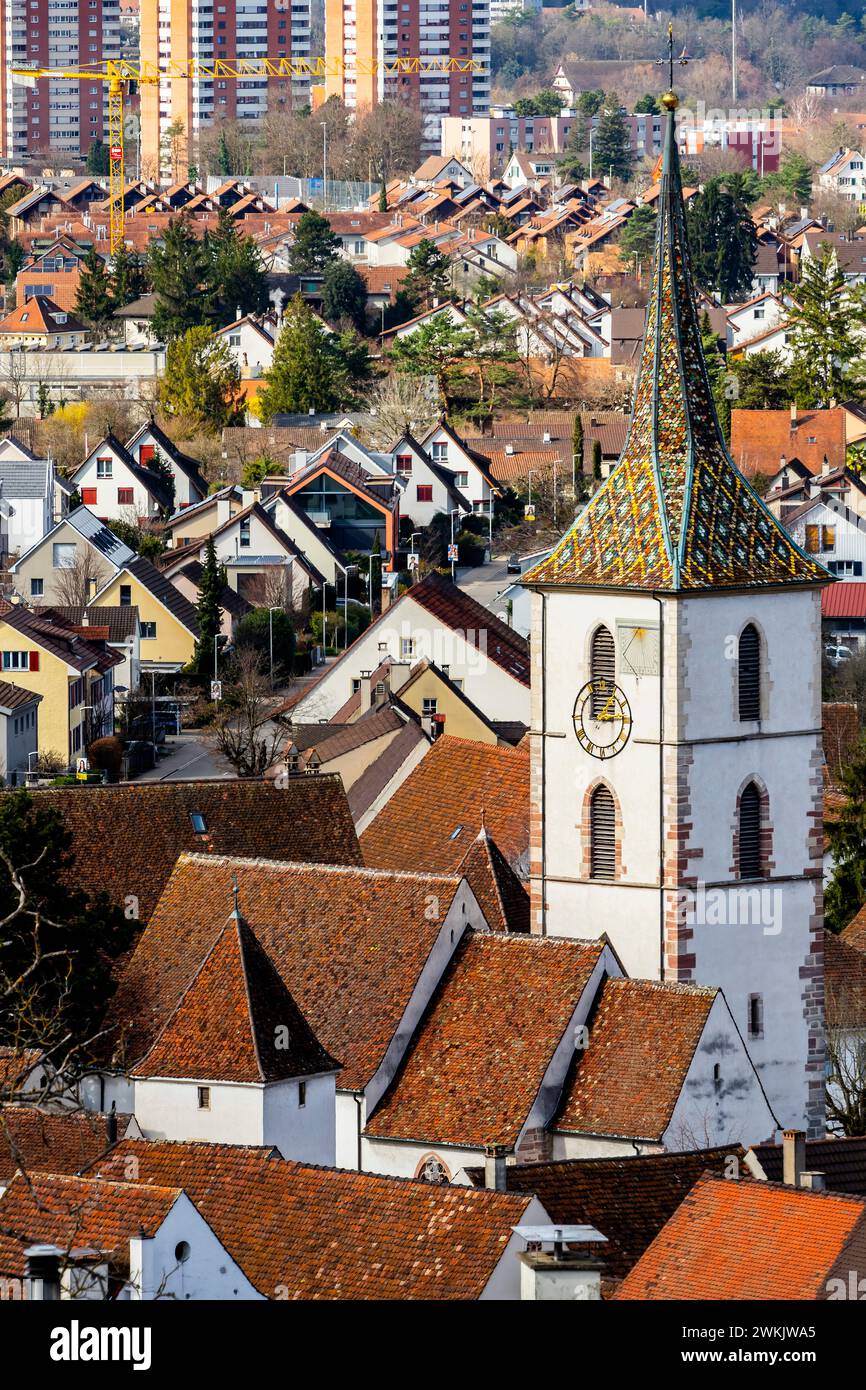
point(199, 824)
point(455, 832)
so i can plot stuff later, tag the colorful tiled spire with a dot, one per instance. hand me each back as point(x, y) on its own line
point(675, 513)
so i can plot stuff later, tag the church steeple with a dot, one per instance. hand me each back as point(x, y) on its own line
point(675, 514)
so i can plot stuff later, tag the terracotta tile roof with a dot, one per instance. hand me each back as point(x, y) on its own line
point(506, 466)
point(59, 638)
point(843, 1161)
point(627, 1199)
point(126, 839)
point(759, 438)
point(13, 696)
point(641, 1044)
point(457, 610)
point(501, 896)
point(476, 1064)
point(229, 1020)
point(855, 932)
point(39, 315)
point(748, 1240)
point(77, 1214)
point(845, 976)
point(375, 778)
point(456, 785)
point(325, 1233)
point(16, 1063)
point(349, 944)
point(121, 622)
point(41, 1141)
point(334, 743)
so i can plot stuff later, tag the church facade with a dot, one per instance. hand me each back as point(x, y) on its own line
point(676, 721)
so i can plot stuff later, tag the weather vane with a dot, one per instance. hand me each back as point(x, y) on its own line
point(682, 60)
point(236, 892)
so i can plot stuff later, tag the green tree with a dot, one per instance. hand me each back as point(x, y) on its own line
point(44, 403)
point(647, 105)
point(590, 102)
point(255, 629)
point(826, 326)
point(344, 294)
point(97, 161)
point(846, 891)
point(160, 465)
point(128, 280)
point(717, 372)
point(429, 275)
point(93, 301)
point(223, 158)
point(237, 277)
point(436, 348)
point(208, 611)
point(638, 236)
point(571, 163)
point(179, 272)
point(57, 946)
point(612, 149)
point(722, 240)
point(596, 460)
point(308, 371)
point(795, 177)
point(577, 443)
point(202, 380)
point(314, 246)
point(762, 381)
point(545, 103)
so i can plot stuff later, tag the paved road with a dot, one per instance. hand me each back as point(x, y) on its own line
point(190, 756)
point(485, 582)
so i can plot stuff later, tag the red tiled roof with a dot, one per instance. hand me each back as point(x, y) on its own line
point(477, 1062)
point(229, 1023)
point(501, 896)
point(641, 1044)
point(348, 943)
point(759, 438)
point(42, 1141)
point(16, 1063)
point(750, 1240)
point(432, 819)
point(321, 1233)
point(126, 839)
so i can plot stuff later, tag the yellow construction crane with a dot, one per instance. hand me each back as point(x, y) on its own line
point(121, 74)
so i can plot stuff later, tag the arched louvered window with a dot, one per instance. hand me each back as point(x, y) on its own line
point(750, 832)
point(750, 673)
point(602, 833)
point(602, 664)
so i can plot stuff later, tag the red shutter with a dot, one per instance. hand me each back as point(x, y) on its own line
point(146, 454)
point(88, 496)
point(34, 661)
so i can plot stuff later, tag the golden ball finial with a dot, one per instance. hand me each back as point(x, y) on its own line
point(670, 101)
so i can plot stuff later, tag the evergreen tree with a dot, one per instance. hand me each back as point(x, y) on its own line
point(722, 239)
point(826, 321)
point(383, 198)
point(160, 465)
point(314, 246)
point(590, 102)
point(128, 280)
point(208, 611)
point(308, 371)
point(437, 348)
point(577, 444)
point(57, 945)
point(93, 301)
point(647, 105)
point(344, 294)
point(223, 158)
point(201, 384)
point(429, 275)
point(612, 151)
point(98, 161)
point(44, 403)
point(237, 274)
point(638, 237)
point(571, 164)
point(178, 271)
point(762, 381)
point(596, 460)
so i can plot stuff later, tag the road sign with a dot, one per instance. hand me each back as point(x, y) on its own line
point(216, 690)
point(453, 552)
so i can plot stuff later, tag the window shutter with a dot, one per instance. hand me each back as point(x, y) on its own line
point(34, 661)
point(750, 673)
point(750, 832)
point(602, 667)
point(88, 496)
point(602, 817)
point(812, 539)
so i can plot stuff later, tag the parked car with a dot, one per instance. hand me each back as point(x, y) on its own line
point(836, 654)
point(512, 565)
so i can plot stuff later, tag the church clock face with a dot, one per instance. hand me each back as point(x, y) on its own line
point(602, 718)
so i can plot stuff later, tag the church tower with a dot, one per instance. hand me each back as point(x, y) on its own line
point(676, 724)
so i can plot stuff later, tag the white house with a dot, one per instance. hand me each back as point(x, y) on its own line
point(19, 732)
point(27, 493)
point(844, 173)
point(753, 319)
point(113, 485)
point(149, 443)
point(428, 488)
point(832, 532)
point(251, 343)
point(472, 476)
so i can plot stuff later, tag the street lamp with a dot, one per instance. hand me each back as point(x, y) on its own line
point(324, 125)
point(412, 550)
point(455, 511)
point(591, 133)
point(271, 612)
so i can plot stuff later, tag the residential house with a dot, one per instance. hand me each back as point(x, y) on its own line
point(73, 676)
point(167, 621)
point(352, 505)
point(194, 523)
point(27, 489)
point(429, 488)
point(828, 529)
point(433, 619)
point(843, 614)
point(150, 443)
point(53, 273)
point(120, 627)
point(113, 485)
point(844, 174)
point(753, 319)
point(250, 341)
point(840, 80)
point(187, 578)
point(42, 324)
point(850, 253)
point(19, 732)
point(761, 438)
point(472, 476)
point(310, 540)
point(73, 560)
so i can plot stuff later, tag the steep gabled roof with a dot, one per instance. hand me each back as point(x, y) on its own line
point(187, 465)
point(456, 609)
point(161, 589)
point(501, 896)
point(236, 1021)
point(675, 514)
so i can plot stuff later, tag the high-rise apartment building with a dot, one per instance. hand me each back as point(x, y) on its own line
point(181, 31)
point(357, 31)
point(54, 117)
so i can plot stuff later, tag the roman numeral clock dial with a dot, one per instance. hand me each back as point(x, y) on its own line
point(602, 718)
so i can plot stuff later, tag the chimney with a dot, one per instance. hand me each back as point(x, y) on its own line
point(366, 691)
point(793, 417)
point(560, 1275)
point(814, 1181)
point(495, 1168)
point(223, 510)
point(112, 1123)
point(793, 1156)
point(42, 1274)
